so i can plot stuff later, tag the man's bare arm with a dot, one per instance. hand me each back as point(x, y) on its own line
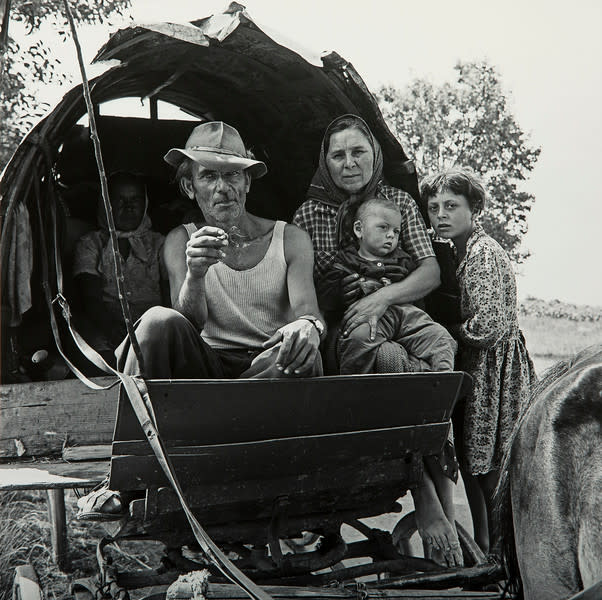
point(187, 292)
point(300, 339)
point(299, 257)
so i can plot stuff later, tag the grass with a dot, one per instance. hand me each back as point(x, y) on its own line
point(25, 538)
point(550, 339)
point(25, 535)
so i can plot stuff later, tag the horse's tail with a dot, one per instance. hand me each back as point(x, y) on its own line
point(505, 530)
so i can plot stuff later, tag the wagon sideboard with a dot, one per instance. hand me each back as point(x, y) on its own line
point(278, 438)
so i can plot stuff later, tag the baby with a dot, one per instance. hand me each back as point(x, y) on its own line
point(379, 261)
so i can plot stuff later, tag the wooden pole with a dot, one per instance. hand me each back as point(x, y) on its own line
point(58, 531)
point(125, 308)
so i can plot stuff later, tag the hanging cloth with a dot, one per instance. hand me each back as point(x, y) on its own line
point(19, 266)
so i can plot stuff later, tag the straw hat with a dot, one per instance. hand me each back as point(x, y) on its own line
point(217, 146)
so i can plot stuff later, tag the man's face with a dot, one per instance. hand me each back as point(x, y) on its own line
point(220, 195)
point(127, 201)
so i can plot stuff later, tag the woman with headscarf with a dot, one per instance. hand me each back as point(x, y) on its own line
point(350, 171)
point(140, 251)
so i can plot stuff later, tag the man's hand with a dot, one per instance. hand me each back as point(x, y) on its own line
point(300, 342)
point(205, 248)
point(368, 309)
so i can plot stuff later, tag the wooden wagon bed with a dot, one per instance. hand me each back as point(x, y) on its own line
point(261, 461)
point(312, 447)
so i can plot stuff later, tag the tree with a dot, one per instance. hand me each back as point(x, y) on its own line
point(469, 123)
point(24, 68)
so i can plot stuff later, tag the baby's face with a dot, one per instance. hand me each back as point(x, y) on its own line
point(378, 231)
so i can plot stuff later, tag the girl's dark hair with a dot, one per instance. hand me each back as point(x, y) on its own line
point(460, 181)
point(343, 123)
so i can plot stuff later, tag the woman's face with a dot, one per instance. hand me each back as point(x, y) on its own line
point(350, 160)
point(128, 201)
point(450, 216)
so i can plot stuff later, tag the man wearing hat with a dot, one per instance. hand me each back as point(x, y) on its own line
point(241, 286)
point(242, 291)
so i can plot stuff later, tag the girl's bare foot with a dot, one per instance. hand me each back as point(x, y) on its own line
point(438, 535)
point(441, 544)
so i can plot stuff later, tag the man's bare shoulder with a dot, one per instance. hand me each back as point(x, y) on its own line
point(177, 236)
point(175, 243)
point(297, 243)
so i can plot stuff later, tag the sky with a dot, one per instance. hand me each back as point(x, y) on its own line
point(548, 54)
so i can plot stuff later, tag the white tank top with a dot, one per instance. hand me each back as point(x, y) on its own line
point(246, 307)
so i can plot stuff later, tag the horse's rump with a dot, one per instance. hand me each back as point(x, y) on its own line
point(549, 506)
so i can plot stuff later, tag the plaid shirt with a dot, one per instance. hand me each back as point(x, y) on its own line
point(319, 220)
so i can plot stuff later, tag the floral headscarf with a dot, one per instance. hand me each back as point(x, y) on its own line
point(322, 186)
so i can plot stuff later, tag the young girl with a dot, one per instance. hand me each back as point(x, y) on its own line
point(491, 345)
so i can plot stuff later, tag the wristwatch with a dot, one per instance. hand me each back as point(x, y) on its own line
point(316, 323)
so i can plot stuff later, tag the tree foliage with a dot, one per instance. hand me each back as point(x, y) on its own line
point(469, 123)
point(25, 67)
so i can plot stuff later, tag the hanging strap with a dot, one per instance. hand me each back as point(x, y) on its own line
point(135, 387)
point(137, 392)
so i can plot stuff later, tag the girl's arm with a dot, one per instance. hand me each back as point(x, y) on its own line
point(483, 281)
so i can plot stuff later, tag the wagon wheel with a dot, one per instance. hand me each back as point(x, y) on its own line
point(26, 585)
point(85, 589)
point(406, 527)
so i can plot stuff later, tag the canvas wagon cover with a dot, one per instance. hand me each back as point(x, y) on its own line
point(221, 67)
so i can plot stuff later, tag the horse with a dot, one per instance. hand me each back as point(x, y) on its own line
point(549, 498)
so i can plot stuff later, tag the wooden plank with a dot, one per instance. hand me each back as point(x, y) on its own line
point(360, 503)
point(37, 418)
point(174, 529)
point(228, 591)
point(409, 437)
point(276, 458)
point(39, 475)
point(397, 472)
point(79, 453)
point(227, 411)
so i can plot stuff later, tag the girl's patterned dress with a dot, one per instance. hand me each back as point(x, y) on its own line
point(492, 349)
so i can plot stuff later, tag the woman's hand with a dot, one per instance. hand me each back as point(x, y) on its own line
point(366, 310)
point(350, 286)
